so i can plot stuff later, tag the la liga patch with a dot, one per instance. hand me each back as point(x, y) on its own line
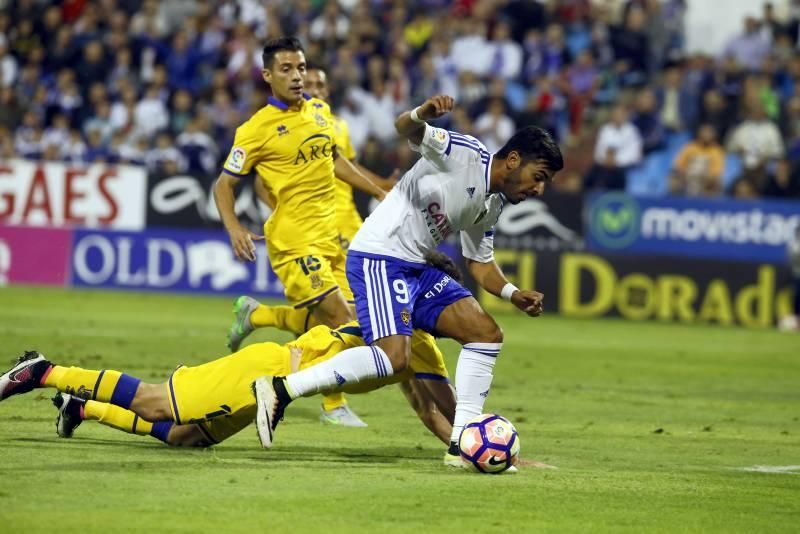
point(236, 159)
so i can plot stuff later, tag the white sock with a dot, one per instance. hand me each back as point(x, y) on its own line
point(348, 367)
point(473, 379)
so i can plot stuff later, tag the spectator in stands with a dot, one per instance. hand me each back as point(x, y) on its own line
point(471, 51)
point(151, 114)
point(198, 148)
point(331, 26)
point(101, 122)
point(506, 60)
point(28, 139)
point(783, 181)
point(631, 47)
point(757, 140)
point(618, 148)
point(494, 127)
point(182, 111)
point(93, 67)
point(581, 81)
point(715, 112)
point(164, 158)
point(750, 47)
point(75, 149)
point(97, 150)
point(698, 167)
point(676, 102)
point(10, 109)
point(648, 121)
point(8, 64)
point(57, 134)
point(6, 143)
point(555, 54)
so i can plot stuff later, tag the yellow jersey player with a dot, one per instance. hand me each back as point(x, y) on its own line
point(290, 145)
point(250, 314)
point(204, 405)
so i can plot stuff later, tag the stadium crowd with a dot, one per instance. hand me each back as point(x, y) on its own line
point(164, 84)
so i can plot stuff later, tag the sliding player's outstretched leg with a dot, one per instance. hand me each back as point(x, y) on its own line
point(26, 374)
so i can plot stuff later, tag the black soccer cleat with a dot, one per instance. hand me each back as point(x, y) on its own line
point(25, 375)
point(69, 413)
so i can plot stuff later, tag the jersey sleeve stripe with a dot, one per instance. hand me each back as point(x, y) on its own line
point(226, 171)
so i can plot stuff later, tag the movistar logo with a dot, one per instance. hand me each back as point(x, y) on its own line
point(615, 220)
point(315, 147)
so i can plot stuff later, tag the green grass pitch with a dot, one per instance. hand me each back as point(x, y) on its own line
point(649, 425)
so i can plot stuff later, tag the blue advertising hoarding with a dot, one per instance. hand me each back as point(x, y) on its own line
point(722, 229)
point(168, 260)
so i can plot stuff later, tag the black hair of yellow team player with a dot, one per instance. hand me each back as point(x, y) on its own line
point(204, 405)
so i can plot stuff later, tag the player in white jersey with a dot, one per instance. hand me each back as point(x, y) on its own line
point(457, 186)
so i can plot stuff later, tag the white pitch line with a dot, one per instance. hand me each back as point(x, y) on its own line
point(776, 469)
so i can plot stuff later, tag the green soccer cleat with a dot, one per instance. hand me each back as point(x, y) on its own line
point(341, 416)
point(241, 327)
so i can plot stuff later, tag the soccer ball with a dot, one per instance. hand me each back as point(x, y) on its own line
point(489, 443)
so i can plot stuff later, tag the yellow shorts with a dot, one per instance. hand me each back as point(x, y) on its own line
point(217, 395)
point(309, 279)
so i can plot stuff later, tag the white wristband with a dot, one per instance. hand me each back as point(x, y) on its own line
point(414, 117)
point(508, 290)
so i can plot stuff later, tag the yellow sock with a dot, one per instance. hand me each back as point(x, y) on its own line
point(103, 386)
point(287, 318)
point(116, 417)
point(333, 401)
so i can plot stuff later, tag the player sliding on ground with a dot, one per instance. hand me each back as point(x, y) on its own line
point(457, 186)
point(204, 405)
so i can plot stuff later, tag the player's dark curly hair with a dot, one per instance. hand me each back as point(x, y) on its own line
point(444, 263)
point(281, 44)
point(534, 143)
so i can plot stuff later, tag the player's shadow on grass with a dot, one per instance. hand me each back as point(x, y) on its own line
point(301, 454)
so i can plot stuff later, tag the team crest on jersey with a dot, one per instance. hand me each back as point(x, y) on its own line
point(320, 120)
point(405, 316)
point(316, 281)
point(282, 130)
point(236, 159)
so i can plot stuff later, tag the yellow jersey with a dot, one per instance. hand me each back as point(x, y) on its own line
point(347, 217)
point(292, 152)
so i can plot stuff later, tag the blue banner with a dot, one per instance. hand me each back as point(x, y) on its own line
point(723, 229)
point(169, 260)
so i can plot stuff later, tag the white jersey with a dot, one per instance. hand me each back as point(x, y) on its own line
point(446, 191)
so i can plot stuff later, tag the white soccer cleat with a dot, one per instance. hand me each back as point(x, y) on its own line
point(269, 410)
point(341, 416)
point(454, 460)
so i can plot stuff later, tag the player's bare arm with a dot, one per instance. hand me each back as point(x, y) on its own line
point(491, 278)
point(241, 237)
point(433, 108)
point(347, 172)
